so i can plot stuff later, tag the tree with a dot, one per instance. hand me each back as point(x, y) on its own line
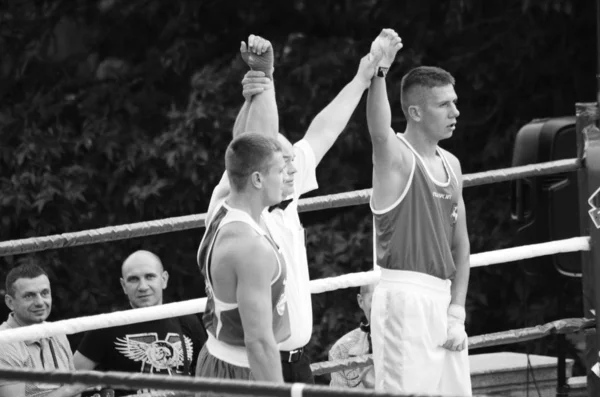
point(117, 112)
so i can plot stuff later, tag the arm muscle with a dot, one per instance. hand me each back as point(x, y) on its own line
point(254, 264)
point(331, 121)
point(460, 243)
point(390, 168)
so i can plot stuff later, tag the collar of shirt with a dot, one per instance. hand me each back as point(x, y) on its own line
point(12, 322)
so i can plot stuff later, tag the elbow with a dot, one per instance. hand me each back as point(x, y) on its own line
point(260, 343)
point(463, 263)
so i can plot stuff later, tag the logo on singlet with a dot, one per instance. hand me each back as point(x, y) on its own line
point(454, 214)
point(441, 195)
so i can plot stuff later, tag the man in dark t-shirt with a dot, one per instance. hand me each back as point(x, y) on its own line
point(169, 346)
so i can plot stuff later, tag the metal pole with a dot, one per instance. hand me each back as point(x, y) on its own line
point(562, 389)
point(598, 51)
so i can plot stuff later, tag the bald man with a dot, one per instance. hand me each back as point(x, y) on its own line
point(169, 346)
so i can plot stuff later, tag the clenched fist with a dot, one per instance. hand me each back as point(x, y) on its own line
point(386, 45)
point(258, 55)
point(457, 338)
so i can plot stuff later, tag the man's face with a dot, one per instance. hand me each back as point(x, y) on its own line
point(439, 112)
point(273, 186)
point(32, 300)
point(143, 281)
point(288, 156)
point(364, 301)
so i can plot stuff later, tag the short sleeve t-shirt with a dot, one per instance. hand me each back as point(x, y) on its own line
point(153, 347)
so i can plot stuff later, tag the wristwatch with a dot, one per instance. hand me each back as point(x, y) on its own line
point(382, 71)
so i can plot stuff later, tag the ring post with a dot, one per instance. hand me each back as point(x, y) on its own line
point(588, 150)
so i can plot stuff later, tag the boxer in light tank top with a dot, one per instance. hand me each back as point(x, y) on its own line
point(246, 314)
point(421, 243)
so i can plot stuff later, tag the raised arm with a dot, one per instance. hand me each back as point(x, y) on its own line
point(254, 84)
point(259, 111)
point(242, 119)
point(331, 121)
point(389, 165)
point(262, 116)
point(379, 114)
point(255, 265)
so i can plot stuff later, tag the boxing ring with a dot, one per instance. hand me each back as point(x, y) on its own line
point(587, 166)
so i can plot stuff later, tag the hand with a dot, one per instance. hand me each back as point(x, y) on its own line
point(255, 82)
point(367, 377)
point(457, 338)
point(258, 54)
point(367, 67)
point(388, 43)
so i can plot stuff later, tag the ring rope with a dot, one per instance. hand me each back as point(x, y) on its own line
point(564, 326)
point(522, 171)
point(168, 310)
point(106, 320)
point(102, 235)
point(140, 229)
point(117, 379)
point(469, 180)
point(160, 394)
point(477, 260)
point(181, 383)
point(530, 251)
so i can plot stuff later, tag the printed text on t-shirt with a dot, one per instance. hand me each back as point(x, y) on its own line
point(442, 195)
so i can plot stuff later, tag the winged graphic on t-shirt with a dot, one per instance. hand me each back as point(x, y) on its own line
point(160, 355)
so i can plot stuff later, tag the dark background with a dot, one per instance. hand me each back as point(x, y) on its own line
point(115, 112)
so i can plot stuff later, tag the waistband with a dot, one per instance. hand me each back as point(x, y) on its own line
point(422, 281)
point(291, 356)
point(235, 355)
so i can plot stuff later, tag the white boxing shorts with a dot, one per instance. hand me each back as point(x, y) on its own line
point(408, 328)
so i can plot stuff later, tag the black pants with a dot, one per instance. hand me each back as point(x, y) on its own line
point(298, 372)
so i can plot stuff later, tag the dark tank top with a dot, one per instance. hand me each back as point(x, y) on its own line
point(415, 233)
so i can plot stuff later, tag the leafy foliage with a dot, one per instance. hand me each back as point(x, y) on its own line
point(116, 112)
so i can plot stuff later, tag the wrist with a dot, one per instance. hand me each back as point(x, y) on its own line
point(456, 313)
point(269, 73)
point(361, 82)
point(382, 71)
